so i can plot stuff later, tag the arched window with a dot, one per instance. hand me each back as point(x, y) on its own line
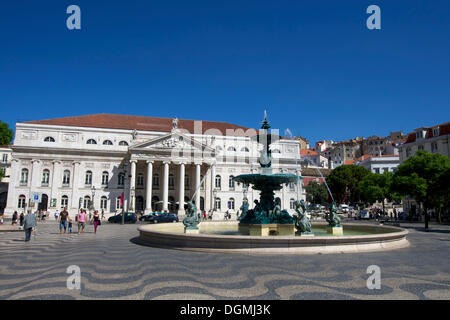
point(87, 202)
point(140, 179)
point(292, 204)
point(45, 177)
point(88, 178)
point(49, 139)
point(187, 183)
point(24, 177)
point(123, 143)
point(22, 202)
point(217, 204)
point(66, 178)
point(105, 178)
point(171, 181)
point(218, 182)
point(245, 149)
point(107, 143)
point(64, 202)
point(155, 182)
point(231, 149)
point(231, 183)
point(91, 141)
point(231, 203)
point(103, 203)
point(121, 179)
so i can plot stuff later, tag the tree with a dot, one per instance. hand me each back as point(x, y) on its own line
point(6, 134)
point(378, 187)
point(344, 182)
point(316, 193)
point(2, 174)
point(424, 177)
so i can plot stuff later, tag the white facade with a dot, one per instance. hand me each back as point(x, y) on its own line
point(154, 170)
point(381, 164)
point(5, 167)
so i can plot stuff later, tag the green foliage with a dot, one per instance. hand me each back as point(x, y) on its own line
point(424, 177)
point(6, 134)
point(316, 193)
point(344, 182)
point(2, 174)
point(377, 187)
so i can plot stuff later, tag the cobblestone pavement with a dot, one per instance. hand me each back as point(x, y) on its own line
point(114, 267)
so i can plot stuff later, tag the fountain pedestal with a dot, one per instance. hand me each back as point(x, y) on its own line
point(191, 231)
point(264, 230)
point(336, 231)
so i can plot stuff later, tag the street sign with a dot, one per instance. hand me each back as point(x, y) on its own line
point(36, 197)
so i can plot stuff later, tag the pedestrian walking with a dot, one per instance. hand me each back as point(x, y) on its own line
point(22, 216)
point(103, 214)
point(63, 219)
point(1, 218)
point(96, 220)
point(81, 219)
point(29, 224)
point(14, 218)
point(56, 215)
point(70, 225)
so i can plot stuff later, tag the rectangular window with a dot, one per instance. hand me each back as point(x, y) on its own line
point(434, 147)
point(5, 158)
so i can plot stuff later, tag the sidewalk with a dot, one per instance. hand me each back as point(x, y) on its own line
point(9, 228)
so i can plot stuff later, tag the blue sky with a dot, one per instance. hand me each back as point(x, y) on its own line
point(313, 65)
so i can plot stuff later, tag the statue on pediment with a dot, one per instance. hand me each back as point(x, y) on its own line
point(175, 123)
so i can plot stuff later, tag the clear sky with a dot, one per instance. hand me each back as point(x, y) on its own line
point(313, 65)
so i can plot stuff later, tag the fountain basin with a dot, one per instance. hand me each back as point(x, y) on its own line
point(224, 237)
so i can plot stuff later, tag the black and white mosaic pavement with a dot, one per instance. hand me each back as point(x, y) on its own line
point(113, 266)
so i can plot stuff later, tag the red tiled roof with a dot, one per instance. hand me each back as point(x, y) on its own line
point(348, 162)
point(308, 152)
point(141, 123)
point(364, 157)
point(444, 129)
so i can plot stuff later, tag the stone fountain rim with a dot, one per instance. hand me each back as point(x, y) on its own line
point(151, 236)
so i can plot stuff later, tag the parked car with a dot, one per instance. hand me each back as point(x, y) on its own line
point(363, 214)
point(159, 217)
point(130, 217)
point(144, 217)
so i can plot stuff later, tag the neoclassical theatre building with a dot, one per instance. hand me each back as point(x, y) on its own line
point(139, 164)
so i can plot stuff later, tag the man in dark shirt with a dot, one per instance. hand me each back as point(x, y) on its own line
point(63, 218)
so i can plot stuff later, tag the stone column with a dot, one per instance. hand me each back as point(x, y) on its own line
point(197, 185)
point(34, 183)
point(148, 192)
point(181, 190)
point(75, 180)
point(208, 190)
point(13, 198)
point(165, 191)
point(55, 184)
point(213, 184)
point(132, 185)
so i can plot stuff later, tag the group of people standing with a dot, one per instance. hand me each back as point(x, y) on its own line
point(65, 221)
point(29, 221)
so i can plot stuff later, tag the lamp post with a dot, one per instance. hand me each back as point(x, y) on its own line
point(132, 193)
point(92, 208)
point(215, 196)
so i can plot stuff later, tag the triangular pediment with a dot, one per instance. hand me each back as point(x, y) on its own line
point(172, 141)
